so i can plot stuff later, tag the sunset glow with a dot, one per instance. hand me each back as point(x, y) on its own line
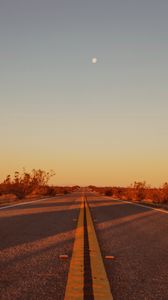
point(102, 125)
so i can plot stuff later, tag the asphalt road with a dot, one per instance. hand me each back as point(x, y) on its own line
point(33, 236)
point(137, 237)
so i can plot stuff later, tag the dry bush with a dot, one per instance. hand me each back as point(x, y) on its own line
point(25, 184)
point(138, 191)
point(108, 192)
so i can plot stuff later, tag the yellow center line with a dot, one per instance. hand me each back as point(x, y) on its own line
point(75, 282)
point(101, 286)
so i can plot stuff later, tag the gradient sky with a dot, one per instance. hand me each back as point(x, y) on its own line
point(102, 124)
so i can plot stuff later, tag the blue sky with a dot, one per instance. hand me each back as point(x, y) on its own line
point(93, 124)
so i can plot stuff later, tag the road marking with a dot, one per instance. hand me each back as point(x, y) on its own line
point(109, 257)
point(75, 289)
point(75, 283)
point(28, 202)
point(146, 206)
point(63, 256)
point(141, 205)
point(101, 286)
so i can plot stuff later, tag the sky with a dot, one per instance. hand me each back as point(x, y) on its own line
point(101, 124)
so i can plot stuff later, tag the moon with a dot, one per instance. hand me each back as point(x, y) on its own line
point(94, 60)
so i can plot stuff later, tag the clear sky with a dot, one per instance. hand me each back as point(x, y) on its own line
point(103, 123)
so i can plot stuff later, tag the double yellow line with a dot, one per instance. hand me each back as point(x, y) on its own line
point(75, 283)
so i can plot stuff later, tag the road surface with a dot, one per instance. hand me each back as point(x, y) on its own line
point(33, 236)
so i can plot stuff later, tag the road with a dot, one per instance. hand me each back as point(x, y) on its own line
point(31, 239)
point(33, 236)
point(137, 237)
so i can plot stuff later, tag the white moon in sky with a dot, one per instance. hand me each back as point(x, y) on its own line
point(94, 60)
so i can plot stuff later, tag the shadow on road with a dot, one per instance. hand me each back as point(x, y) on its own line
point(26, 228)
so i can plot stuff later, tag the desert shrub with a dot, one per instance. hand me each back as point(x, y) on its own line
point(66, 192)
point(140, 192)
point(129, 193)
point(51, 191)
point(119, 192)
point(155, 195)
point(165, 193)
point(108, 192)
point(27, 183)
